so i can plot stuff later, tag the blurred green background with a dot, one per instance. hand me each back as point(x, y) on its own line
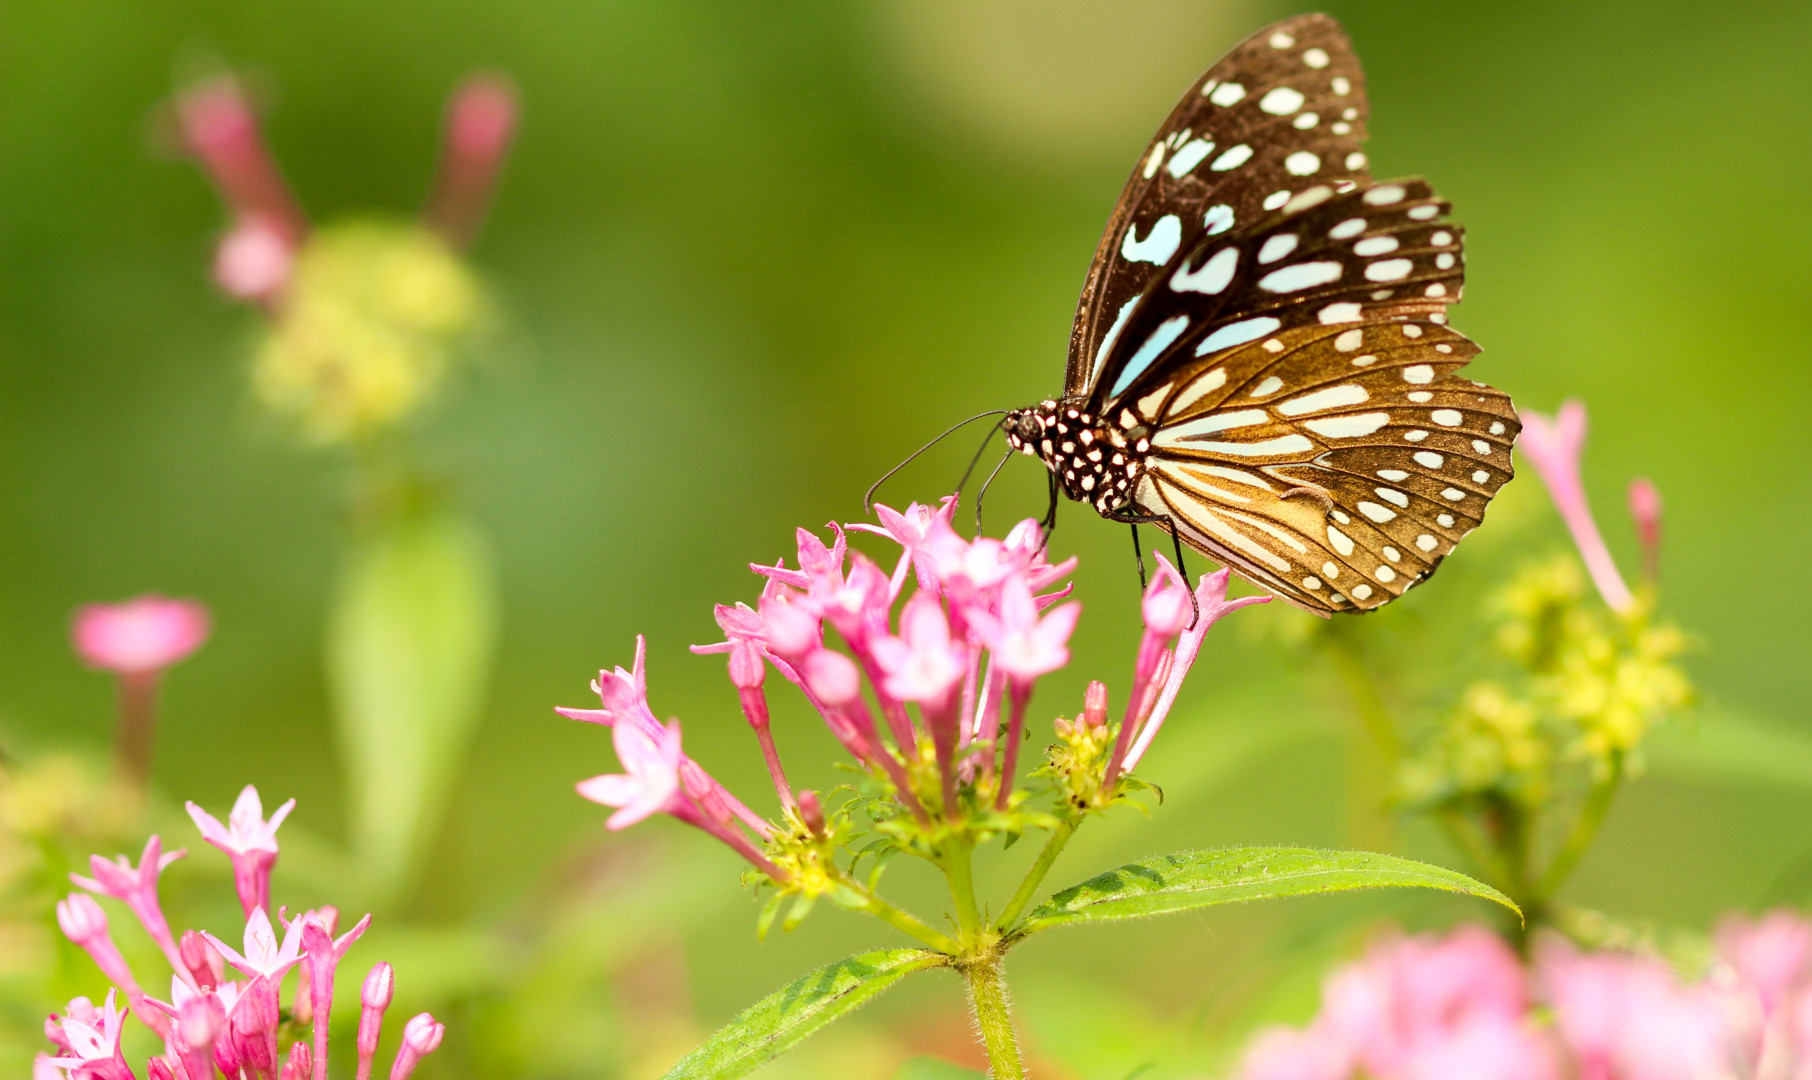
point(752, 254)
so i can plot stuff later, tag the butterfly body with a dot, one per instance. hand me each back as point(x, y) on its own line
point(1261, 362)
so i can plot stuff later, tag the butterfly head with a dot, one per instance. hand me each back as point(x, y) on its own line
point(1094, 462)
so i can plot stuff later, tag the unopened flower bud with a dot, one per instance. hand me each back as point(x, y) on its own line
point(791, 629)
point(423, 1033)
point(159, 1069)
point(1166, 608)
point(811, 811)
point(200, 1021)
point(1094, 704)
point(833, 677)
point(81, 919)
point(747, 669)
point(300, 1065)
point(380, 986)
point(1645, 507)
point(199, 957)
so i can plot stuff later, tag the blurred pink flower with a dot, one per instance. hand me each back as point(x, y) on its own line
point(83, 922)
point(250, 841)
point(481, 120)
point(1554, 446)
point(650, 782)
point(254, 260)
point(1283, 1053)
point(1768, 955)
point(138, 889)
point(1628, 1016)
point(220, 127)
point(139, 636)
point(1645, 508)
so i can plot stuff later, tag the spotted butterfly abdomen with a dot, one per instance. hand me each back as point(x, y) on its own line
point(1261, 362)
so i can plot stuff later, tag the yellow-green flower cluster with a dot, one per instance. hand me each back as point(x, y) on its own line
point(1593, 683)
point(374, 314)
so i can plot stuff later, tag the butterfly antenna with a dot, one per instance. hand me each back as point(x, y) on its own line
point(973, 461)
point(983, 493)
point(868, 497)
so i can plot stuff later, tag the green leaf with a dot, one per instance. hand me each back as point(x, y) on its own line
point(409, 646)
point(1197, 879)
point(783, 1019)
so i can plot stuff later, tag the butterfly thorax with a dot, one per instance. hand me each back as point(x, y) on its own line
point(1095, 461)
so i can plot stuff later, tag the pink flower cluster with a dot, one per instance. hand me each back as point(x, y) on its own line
point(1464, 1006)
point(141, 636)
point(219, 127)
point(946, 681)
point(212, 1024)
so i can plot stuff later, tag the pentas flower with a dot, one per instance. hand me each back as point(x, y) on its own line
point(250, 840)
point(140, 636)
point(246, 1028)
point(1645, 508)
point(1554, 445)
point(913, 682)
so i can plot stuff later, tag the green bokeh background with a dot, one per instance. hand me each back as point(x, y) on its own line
point(753, 253)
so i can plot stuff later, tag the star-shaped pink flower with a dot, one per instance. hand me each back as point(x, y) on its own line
point(263, 955)
point(250, 841)
point(138, 889)
point(650, 780)
point(94, 1042)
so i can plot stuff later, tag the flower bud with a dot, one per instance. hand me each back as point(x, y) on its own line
point(199, 957)
point(833, 677)
point(159, 1069)
point(380, 987)
point(200, 1021)
point(1094, 704)
point(747, 668)
point(811, 811)
point(1645, 507)
point(423, 1033)
point(81, 919)
point(300, 1065)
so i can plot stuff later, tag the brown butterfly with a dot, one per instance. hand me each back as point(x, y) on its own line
point(1261, 363)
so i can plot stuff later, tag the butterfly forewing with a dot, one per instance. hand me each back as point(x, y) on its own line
point(1282, 112)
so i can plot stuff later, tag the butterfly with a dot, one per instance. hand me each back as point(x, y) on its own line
point(1261, 363)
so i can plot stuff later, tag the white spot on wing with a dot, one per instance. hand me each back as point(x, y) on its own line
point(1341, 541)
point(1154, 160)
point(1348, 427)
point(1392, 495)
point(1237, 334)
point(1418, 373)
point(1376, 513)
point(1349, 340)
point(1301, 276)
point(1426, 542)
point(1271, 385)
point(1276, 199)
point(1384, 195)
point(1218, 219)
point(1204, 384)
point(1158, 246)
point(1213, 275)
point(1107, 342)
point(1446, 417)
point(1315, 58)
point(1333, 397)
point(1287, 444)
point(1302, 163)
point(1347, 229)
point(1282, 101)
point(1341, 86)
point(1375, 245)
point(1389, 270)
point(1233, 158)
point(1188, 157)
point(1346, 311)
point(1428, 459)
point(1277, 247)
point(1193, 430)
point(1230, 93)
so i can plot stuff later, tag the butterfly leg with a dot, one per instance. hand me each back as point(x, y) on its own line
point(1048, 524)
point(1176, 539)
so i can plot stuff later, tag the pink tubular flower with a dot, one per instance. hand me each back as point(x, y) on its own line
point(250, 841)
point(254, 260)
point(138, 889)
point(85, 924)
point(140, 636)
point(220, 128)
point(323, 953)
point(1024, 645)
point(1628, 1016)
point(923, 664)
point(1554, 446)
point(480, 123)
point(92, 1042)
point(650, 782)
point(374, 999)
point(1282, 1053)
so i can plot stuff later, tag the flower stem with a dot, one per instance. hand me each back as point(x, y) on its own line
point(137, 733)
point(1597, 804)
point(1028, 888)
point(904, 921)
point(962, 889)
point(988, 998)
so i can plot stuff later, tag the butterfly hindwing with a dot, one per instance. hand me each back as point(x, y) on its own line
point(1283, 111)
point(1336, 465)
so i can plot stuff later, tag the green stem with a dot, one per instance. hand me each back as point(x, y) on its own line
point(1598, 803)
point(903, 921)
point(962, 889)
point(1035, 876)
point(988, 997)
point(1489, 861)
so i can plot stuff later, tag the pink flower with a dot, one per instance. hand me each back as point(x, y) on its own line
point(139, 636)
point(138, 889)
point(254, 260)
point(1769, 955)
point(200, 1018)
point(923, 664)
point(1484, 1047)
point(1554, 447)
point(324, 952)
point(85, 924)
point(249, 841)
point(650, 782)
point(1628, 1016)
point(1024, 645)
point(220, 128)
point(93, 1043)
point(911, 530)
point(1282, 1053)
point(374, 999)
point(263, 956)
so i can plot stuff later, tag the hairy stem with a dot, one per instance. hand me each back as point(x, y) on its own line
point(1028, 888)
point(903, 921)
point(993, 1020)
point(957, 870)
